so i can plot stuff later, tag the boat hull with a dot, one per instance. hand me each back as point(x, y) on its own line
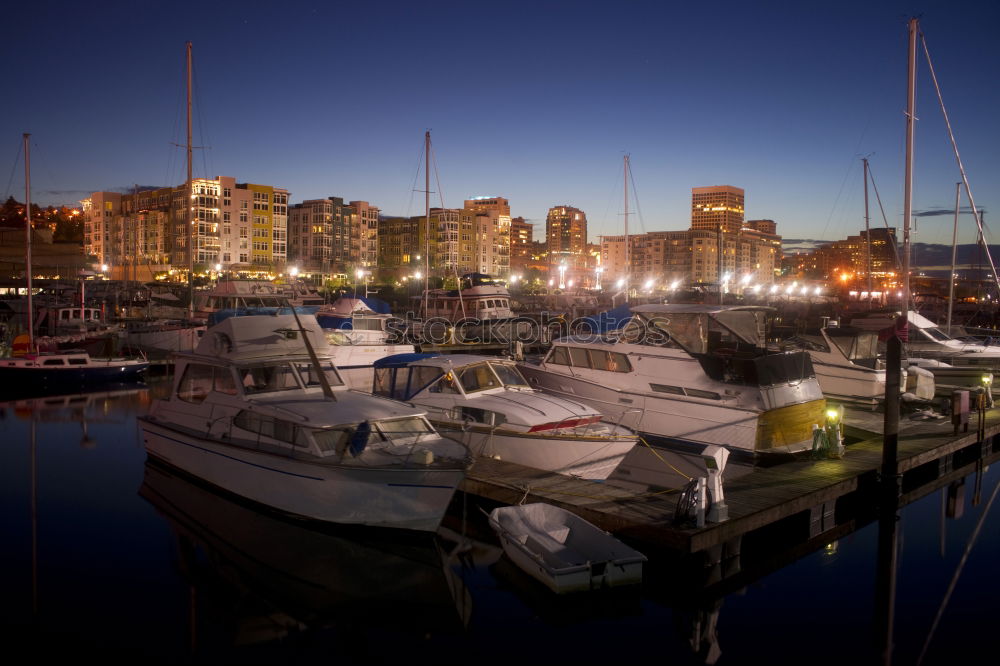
point(588, 458)
point(688, 425)
point(70, 379)
point(404, 498)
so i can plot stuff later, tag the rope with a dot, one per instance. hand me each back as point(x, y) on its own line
point(653, 450)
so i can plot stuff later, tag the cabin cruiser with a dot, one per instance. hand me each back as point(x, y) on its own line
point(259, 410)
point(486, 403)
point(926, 340)
point(236, 294)
point(687, 376)
point(361, 331)
point(847, 364)
point(480, 297)
point(28, 372)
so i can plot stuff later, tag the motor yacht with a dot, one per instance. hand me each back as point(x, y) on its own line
point(487, 404)
point(259, 410)
point(685, 376)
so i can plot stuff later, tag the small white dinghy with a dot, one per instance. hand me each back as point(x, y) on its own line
point(564, 551)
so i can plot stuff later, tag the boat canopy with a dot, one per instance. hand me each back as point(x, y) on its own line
point(608, 321)
point(249, 311)
point(700, 329)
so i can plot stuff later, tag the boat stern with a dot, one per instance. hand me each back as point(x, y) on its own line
point(789, 429)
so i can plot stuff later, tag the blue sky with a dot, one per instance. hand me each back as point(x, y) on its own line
point(534, 101)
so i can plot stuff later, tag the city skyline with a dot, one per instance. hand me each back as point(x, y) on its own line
point(539, 109)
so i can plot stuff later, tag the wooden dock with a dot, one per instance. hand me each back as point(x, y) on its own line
point(817, 498)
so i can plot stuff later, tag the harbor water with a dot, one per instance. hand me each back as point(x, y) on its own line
point(109, 557)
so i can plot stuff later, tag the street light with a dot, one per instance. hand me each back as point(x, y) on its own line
point(562, 276)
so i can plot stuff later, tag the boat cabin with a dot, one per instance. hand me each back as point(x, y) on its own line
point(404, 376)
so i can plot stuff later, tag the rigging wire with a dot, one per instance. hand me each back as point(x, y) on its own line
point(635, 195)
point(204, 147)
point(843, 184)
point(416, 174)
point(958, 160)
point(13, 169)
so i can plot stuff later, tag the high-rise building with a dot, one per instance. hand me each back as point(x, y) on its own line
point(717, 208)
point(521, 241)
point(566, 230)
point(487, 222)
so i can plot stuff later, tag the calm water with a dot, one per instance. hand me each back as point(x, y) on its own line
point(125, 562)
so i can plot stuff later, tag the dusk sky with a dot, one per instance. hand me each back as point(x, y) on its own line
point(534, 101)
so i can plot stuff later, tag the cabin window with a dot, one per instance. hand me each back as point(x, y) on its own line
point(478, 415)
point(330, 441)
point(224, 382)
point(420, 377)
point(310, 377)
point(268, 426)
point(446, 385)
point(399, 430)
point(196, 383)
point(663, 388)
point(478, 378)
point(698, 393)
point(578, 356)
point(558, 356)
point(77, 361)
point(265, 378)
point(53, 361)
point(509, 374)
point(610, 361)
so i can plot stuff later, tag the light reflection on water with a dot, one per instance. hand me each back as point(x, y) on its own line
point(130, 562)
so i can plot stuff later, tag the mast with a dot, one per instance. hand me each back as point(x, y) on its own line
point(954, 248)
point(868, 236)
point(27, 239)
point(189, 195)
point(628, 265)
point(911, 94)
point(427, 219)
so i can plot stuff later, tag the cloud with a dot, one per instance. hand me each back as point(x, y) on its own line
point(934, 212)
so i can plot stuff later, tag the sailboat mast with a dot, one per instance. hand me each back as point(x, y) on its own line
point(189, 195)
point(427, 219)
point(954, 249)
point(27, 239)
point(628, 265)
point(868, 234)
point(911, 94)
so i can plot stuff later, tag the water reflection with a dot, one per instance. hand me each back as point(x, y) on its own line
point(275, 576)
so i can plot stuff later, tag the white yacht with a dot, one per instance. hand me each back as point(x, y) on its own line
point(361, 331)
point(686, 376)
point(847, 364)
point(259, 410)
point(487, 404)
point(926, 340)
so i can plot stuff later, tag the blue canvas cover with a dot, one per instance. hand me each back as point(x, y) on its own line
point(607, 321)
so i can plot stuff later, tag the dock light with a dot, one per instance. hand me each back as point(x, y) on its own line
point(294, 271)
point(569, 284)
point(746, 279)
point(818, 290)
point(987, 380)
point(726, 276)
point(620, 283)
point(832, 416)
point(218, 267)
point(417, 275)
point(649, 284)
point(675, 284)
point(805, 289)
point(774, 288)
point(104, 268)
point(790, 288)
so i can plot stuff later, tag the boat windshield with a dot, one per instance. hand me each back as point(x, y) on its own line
point(268, 378)
point(406, 429)
point(478, 377)
point(509, 374)
point(935, 334)
point(310, 376)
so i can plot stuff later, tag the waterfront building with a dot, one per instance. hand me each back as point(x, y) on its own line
point(240, 226)
point(521, 244)
point(566, 229)
point(329, 236)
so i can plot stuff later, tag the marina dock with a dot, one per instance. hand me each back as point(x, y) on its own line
point(774, 512)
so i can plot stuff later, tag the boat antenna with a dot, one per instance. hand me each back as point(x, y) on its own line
point(327, 391)
point(27, 239)
point(189, 195)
